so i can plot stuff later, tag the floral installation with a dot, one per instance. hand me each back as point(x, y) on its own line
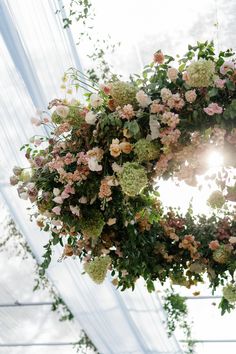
point(93, 183)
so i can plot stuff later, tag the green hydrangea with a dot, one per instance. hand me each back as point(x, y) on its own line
point(97, 268)
point(201, 73)
point(74, 117)
point(133, 178)
point(123, 93)
point(216, 200)
point(146, 150)
point(56, 118)
point(222, 254)
point(92, 223)
point(229, 292)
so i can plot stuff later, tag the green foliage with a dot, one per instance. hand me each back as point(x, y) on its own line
point(177, 316)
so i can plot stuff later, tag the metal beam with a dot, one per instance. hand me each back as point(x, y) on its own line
point(210, 341)
point(23, 304)
point(51, 344)
point(202, 297)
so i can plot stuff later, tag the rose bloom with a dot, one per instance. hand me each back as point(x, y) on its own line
point(214, 245)
point(62, 111)
point(126, 147)
point(127, 112)
point(159, 57)
point(212, 109)
point(172, 74)
point(106, 88)
point(190, 96)
point(165, 94)
point(220, 83)
point(115, 149)
point(143, 99)
point(156, 107)
point(232, 240)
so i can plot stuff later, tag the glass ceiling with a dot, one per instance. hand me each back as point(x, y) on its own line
point(30, 76)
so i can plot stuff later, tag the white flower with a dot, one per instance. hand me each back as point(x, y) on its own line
point(154, 127)
point(93, 164)
point(172, 74)
point(165, 94)
point(90, 118)
point(95, 100)
point(23, 195)
point(62, 111)
point(56, 192)
point(143, 99)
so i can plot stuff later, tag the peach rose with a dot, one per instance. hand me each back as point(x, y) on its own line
point(126, 147)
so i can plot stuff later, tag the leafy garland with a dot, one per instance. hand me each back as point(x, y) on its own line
point(13, 241)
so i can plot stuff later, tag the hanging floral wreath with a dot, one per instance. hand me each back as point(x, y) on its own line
point(94, 180)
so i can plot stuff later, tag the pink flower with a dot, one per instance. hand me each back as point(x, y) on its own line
point(156, 107)
point(159, 57)
point(214, 245)
point(227, 66)
point(212, 109)
point(106, 88)
point(190, 96)
point(220, 83)
point(58, 200)
point(35, 121)
point(56, 210)
point(127, 112)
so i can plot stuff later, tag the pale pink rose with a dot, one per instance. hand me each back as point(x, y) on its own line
point(69, 189)
point(58, 200)
point(156, 107)
point(14, 180)
point(17, 170)
point(214, 245)
point(165, 94)
point(127, 112)
point(227, 66)
point(36, 121)
point(64, 195)
point(159, 57)
point(212, 109)
point(143, 99)
point(232, 240)
point(190, 96)
point(56, 210)
point(62, 111)
point(172, 74)
point(220, 83)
